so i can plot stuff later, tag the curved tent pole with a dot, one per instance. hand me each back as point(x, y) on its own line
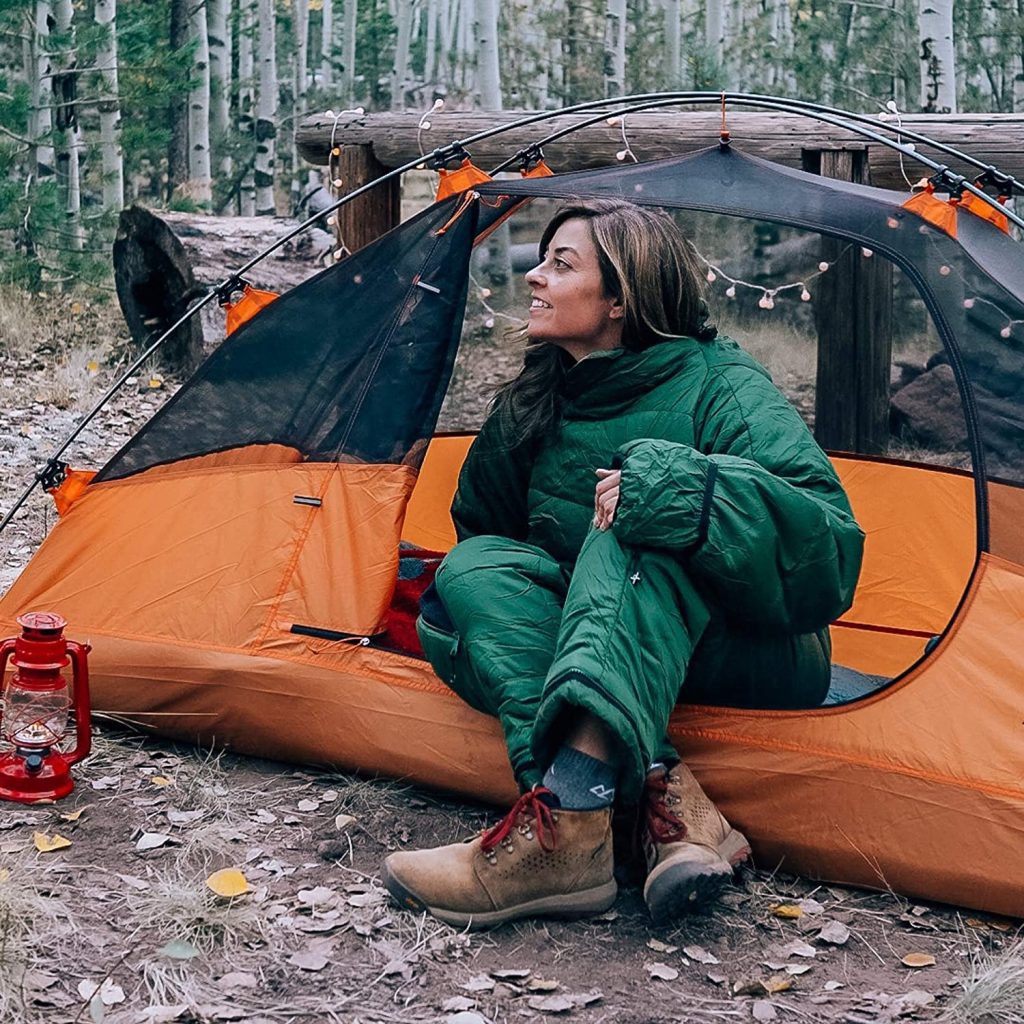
point(640, 101)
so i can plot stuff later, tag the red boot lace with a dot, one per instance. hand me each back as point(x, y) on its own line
point(663, 824)
point(529, 805)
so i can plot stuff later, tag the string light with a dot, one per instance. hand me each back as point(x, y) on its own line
point(1006, 331)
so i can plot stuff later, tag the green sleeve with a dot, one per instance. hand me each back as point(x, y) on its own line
point(756, 509)
point(493, 484)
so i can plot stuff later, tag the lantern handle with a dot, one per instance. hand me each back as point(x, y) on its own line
point(83, 719)
point(6, 649)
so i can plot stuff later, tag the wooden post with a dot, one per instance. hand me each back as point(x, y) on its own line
point(853, 316)
point(371, 215)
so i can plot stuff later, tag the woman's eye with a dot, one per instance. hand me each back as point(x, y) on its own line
point(559, 262)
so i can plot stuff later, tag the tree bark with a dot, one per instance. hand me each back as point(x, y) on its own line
point(348, 73)
point(400, 68)
point(200, 176)
point(246, 98)
point(673, 45)
point(177, 148)
point(109, 106)
point(218, 24)
point(714, 30)
point(995, 139)
point(937, 56)
point(266, 111)
point(430, 47)
point(488, 71)
point(615, 48)
point(301, 68)
point(327, 45)
point(41, 120)
point(68, 141)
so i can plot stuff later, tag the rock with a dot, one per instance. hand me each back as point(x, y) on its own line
point(930, 412)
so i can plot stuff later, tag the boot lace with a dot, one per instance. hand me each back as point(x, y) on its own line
point(664, 825)
point(529, 806)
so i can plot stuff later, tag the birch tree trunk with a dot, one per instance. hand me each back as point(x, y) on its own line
point(488, 71)
point(266, 110)
point(218, 27)
point(327, 45)
point(784, 78)
point(673, 44)
point(201, 184)
point(105, 15)
point(465, 61)
point(301, 68)
point(246, 96)
point(41, 119)
point(615, 48)
point(348, 73)
point(714, 30)
point(430, 47)
point(937, 56)
point(400, 68)
point(67, 135)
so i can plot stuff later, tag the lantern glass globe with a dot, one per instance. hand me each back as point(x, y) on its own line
point(35, 719)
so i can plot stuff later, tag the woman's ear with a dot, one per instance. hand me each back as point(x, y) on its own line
point(617, 310)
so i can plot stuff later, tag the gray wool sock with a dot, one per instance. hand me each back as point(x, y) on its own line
point(581, 782)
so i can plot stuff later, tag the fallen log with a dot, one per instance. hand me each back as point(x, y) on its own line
point(162, 262)
point(395, 138)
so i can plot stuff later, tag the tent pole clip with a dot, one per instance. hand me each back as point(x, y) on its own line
point(441, 157)
point(233, 284)
point(994, 178)
point(52, 475)
point(528, 157)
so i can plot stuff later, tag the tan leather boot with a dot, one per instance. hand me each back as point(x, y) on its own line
point(690, 848)
point(536, 861)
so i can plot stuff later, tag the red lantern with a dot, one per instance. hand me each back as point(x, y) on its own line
point(37, 700)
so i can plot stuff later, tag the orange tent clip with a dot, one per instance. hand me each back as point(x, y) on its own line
point(251, 302)
point(969, 201)
point(935, 211)
point(464, 177)
point(70, 489)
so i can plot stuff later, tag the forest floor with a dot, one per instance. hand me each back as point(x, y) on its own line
point(116, 920)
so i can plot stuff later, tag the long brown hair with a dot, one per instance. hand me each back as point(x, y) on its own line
point(646, 264)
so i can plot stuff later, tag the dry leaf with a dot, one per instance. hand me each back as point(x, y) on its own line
point(176, 817)
point(228, 883)
point(999, 924)
point(798, 948)
point(308, 805)
point(661, 947)
point(109, 993)
point(479, 983)
point(237, 979)
point(787, 910)
point(514, 974)
point(47, 844)
point(156, 382)
point(457, 1003)
point(551, 1004)
point(321, 894)
point(265, 817)
point(179, 949)
point(541, 985)
point(160, 781)
point(797, 969)
point(835, 933)
point(307, 960)
point(661, 971)
point(92, 367)
point(342, 821)
point(701, 955)
point(918, 960)
point(763, 1010)
point(809, 906)
point(750, 987)
point(152, 840)
point(832, 986)
point(778, 983)
point(75, 815)
point(466, 1017)
point(716, 979)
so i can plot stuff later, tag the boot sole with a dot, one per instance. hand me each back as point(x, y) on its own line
point(570, 905)
point(688, 886)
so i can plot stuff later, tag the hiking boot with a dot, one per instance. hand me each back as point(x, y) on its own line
point(690, 848)
point(539, 860)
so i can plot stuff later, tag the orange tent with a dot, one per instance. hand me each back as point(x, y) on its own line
point(234, 566)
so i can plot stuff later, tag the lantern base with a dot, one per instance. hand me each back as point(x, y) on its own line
point(52, 781)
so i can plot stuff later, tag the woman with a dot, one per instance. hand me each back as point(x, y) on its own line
point(642, 516)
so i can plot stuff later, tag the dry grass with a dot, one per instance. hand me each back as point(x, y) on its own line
point(993, 991)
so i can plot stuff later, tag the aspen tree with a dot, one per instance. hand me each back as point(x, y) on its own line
point(41, 120)
point(218, 28)
point(266, 109)
point(400, 68)
point(68, 140)
point(615, 48)
point(301, 70)
point(105, 15)
point(246, 101)
point(201, 184)
point(673, 45)
point(348, 73)
point(488, 71)
point(327, 45)
point(937, 56)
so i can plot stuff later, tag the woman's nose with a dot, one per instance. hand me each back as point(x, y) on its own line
point(535, 276)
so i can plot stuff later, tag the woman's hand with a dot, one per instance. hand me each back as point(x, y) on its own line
point(606, 497)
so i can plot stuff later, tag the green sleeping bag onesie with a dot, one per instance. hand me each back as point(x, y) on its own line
point(732, 549)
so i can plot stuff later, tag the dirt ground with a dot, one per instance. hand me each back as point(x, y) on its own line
point(119, 921)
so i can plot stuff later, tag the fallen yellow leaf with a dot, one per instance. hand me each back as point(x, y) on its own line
point(155, 382)
point(76, 308)
point(4, 874)
point(778, 983)
point(161, 780)
point(75, 815)
point(92, 367)
point(47, 844)
point(918, 960)
point(999, 924)
point(787, 910)
point(228, 882)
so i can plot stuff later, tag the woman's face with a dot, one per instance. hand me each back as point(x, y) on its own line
point(568, 306)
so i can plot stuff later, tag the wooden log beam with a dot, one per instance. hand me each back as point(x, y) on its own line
point(783, 138)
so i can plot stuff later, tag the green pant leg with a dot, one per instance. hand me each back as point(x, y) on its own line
point(737, 668)
point(504, 599)
point(630, 623)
